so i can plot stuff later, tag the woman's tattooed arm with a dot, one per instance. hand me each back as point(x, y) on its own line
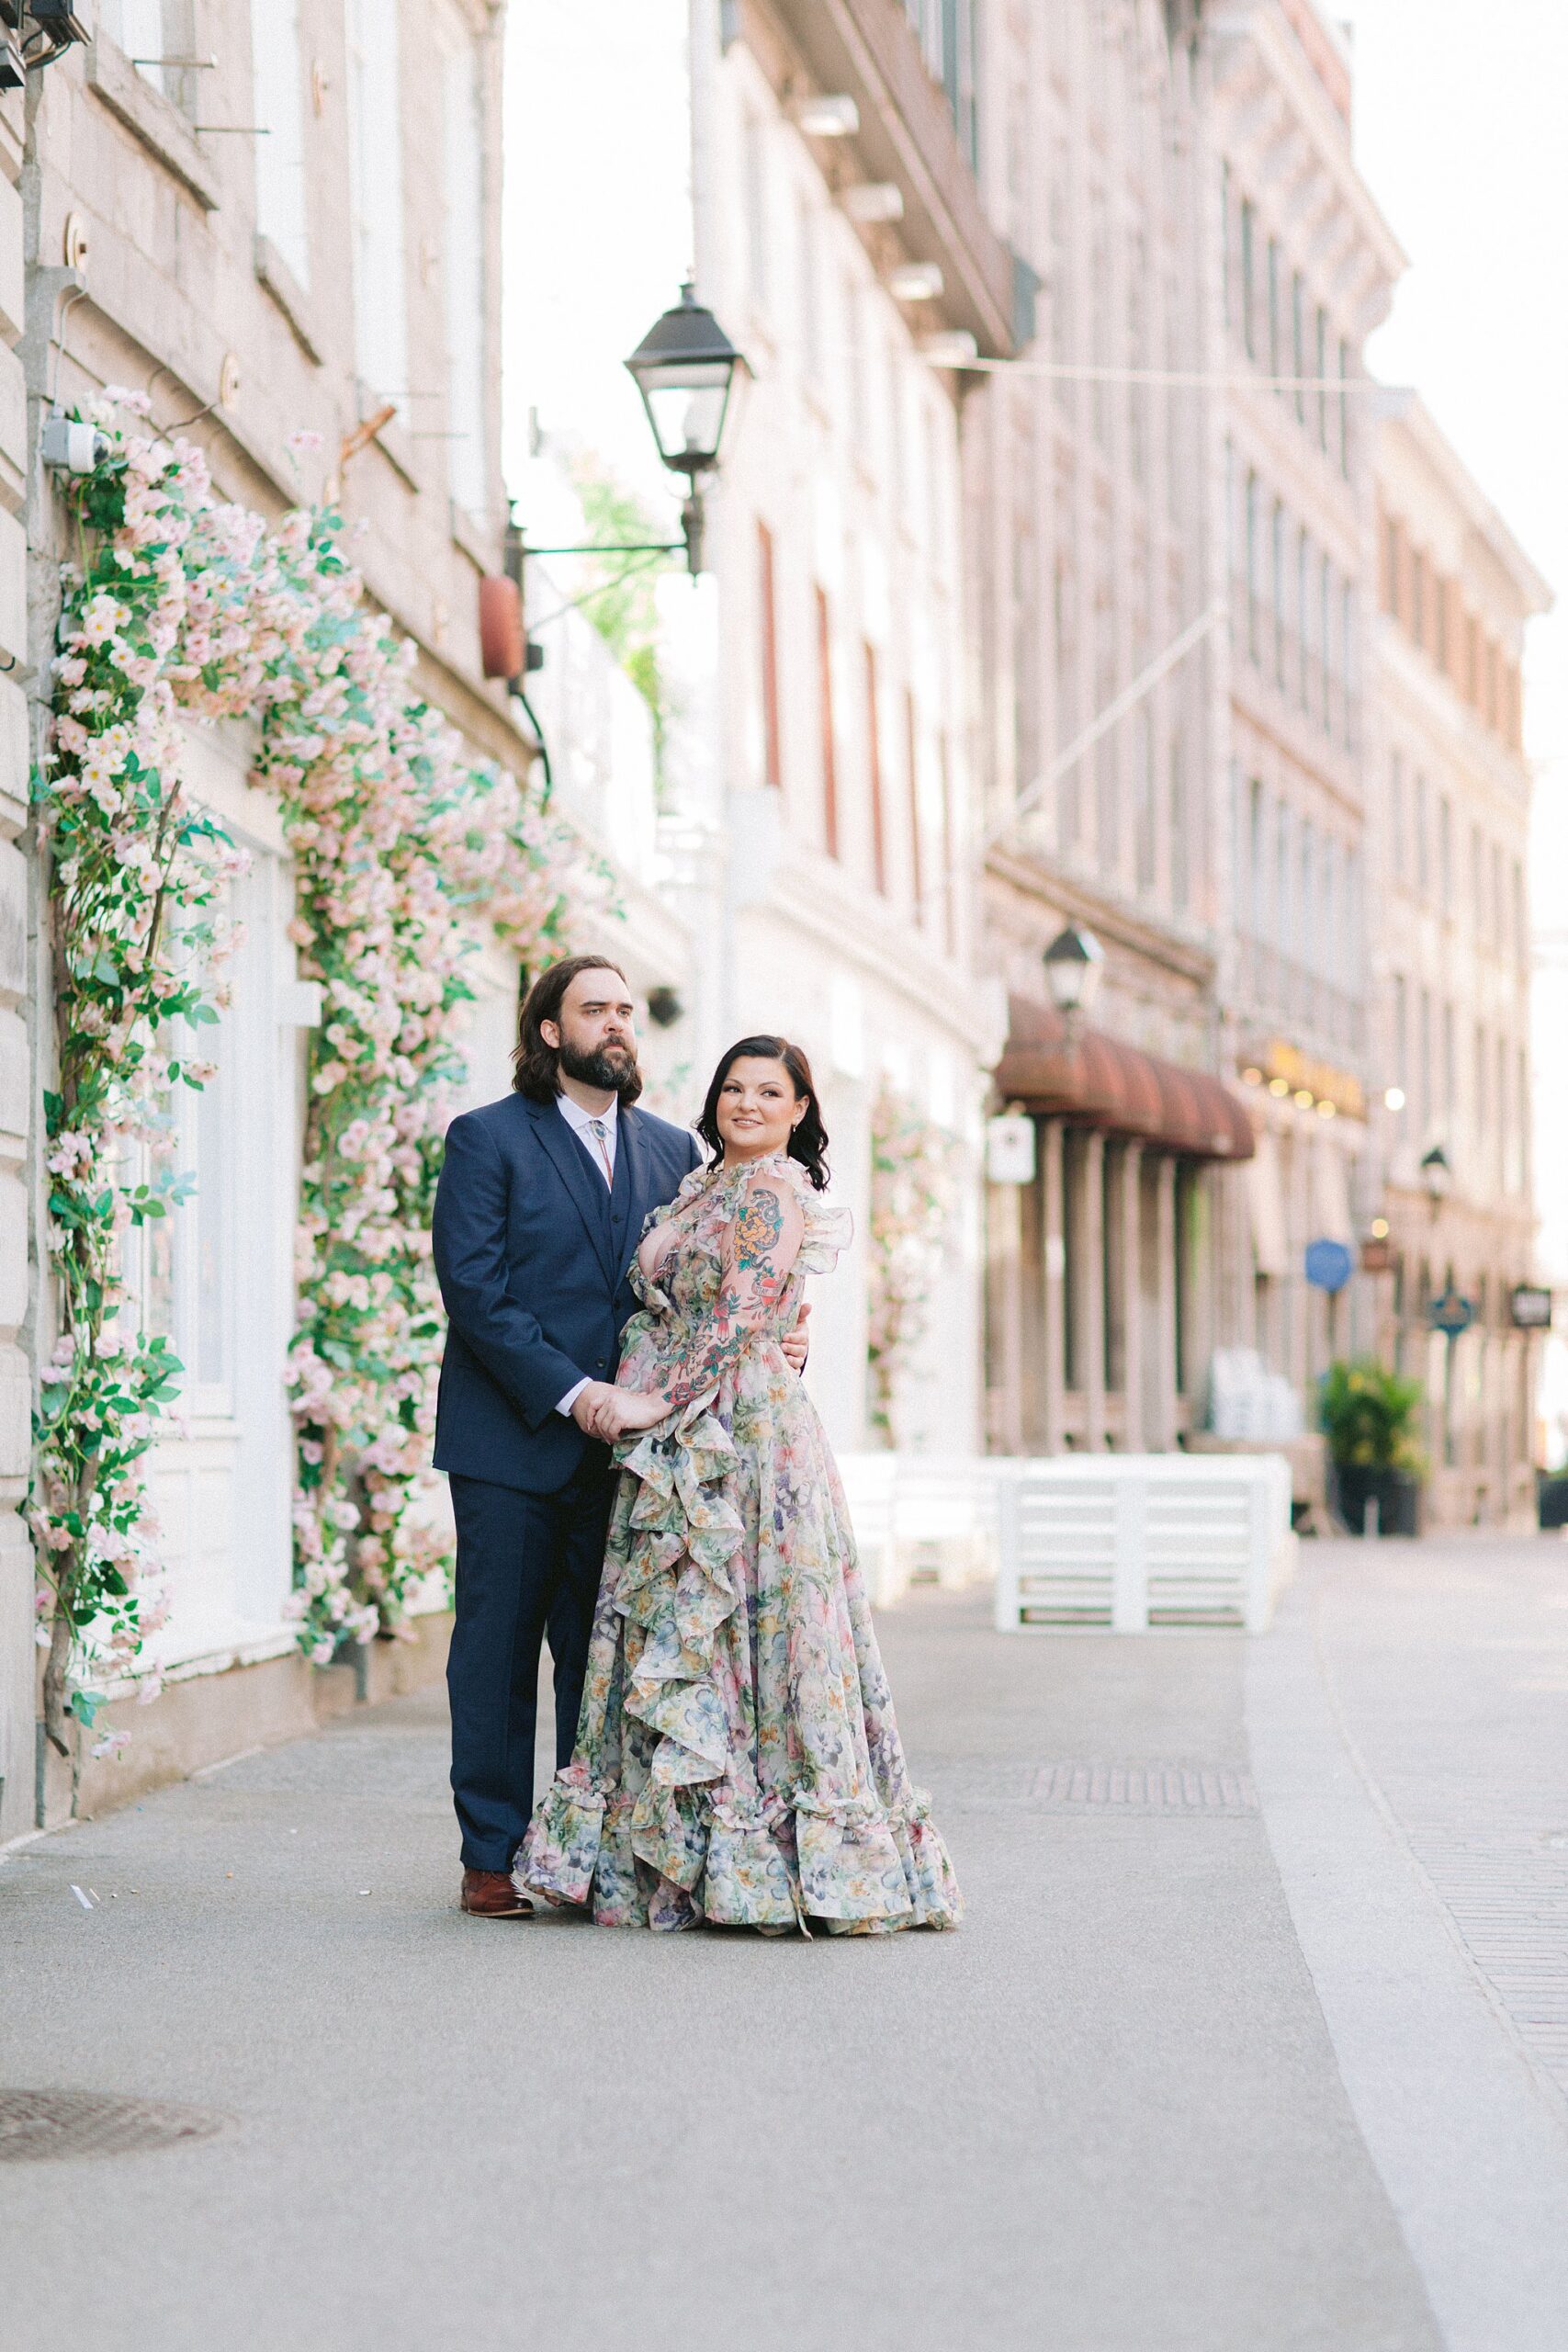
point(762, 1248)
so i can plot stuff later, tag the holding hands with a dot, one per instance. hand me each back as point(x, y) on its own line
point(606, 1412)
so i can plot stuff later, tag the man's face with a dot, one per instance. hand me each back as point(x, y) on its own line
point(596, 1034)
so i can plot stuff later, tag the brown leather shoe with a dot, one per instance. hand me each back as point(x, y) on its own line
point(490, 1894)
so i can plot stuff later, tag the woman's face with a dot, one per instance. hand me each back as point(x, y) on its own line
point(758, 1108)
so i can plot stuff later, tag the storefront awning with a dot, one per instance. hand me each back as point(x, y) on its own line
point(1100, 1082)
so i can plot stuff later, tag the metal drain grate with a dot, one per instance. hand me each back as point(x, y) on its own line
point(1075, 1787)
point(38, 2126)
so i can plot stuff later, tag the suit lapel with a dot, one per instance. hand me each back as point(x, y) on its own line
point(576, 1172)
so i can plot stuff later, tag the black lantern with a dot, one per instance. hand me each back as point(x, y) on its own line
point(684, 367)
point(1074, 963)
point(1436, 1176)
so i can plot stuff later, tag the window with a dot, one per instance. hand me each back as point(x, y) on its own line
point(873, 774)
point(1321, 371)
point(1521, 940)
point(1252, 565)
point(1303, 618)
point(767, 613)
point(1449, 1072)
point(1145, 815)
point(1423, 846)
point(463, 273)
point(1441, 593)
point(1344, 411)
point(1445, 855)
point(1326, 638)
point(1227, 308)
point(1428, 1107)
point(1248, 276)
point(1418, 597)
point(1472, 661)
point(825, 722)
point(1255, 855)
point(755, 159)
point(1478, 881)
point(810, 307)
point(1390, 565)
point(1396, 817)
point(1298, 342)
point(376, 202)
point(278, 96)
point(1274, 306)
point(949, 873)
point(1180, 856)
point(1276, 568)
point(1348, 658)
point(912, 786)
point(1401, 1035)
point(147, 30)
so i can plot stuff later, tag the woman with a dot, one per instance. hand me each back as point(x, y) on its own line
point(737, 1758)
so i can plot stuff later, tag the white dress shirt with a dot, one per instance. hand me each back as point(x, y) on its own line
point(600, 1149)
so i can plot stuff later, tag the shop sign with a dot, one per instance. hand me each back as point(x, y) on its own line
point(1330, 1265)
point(1452, 1313)
point(1009, 1149)
point(1531, 1306)
point(1288, 1071)
point(1377, 1254)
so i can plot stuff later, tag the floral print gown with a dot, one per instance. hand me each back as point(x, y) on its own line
point(737, 1756)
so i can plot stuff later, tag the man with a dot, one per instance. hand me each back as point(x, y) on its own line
point(541, 1202)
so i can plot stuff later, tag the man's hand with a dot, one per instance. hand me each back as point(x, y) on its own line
point(796, 1346)
point(588, 1403)
point(627, 1408)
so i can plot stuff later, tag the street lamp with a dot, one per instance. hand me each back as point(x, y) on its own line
point(1073, 963)
point(1436, 1176)
point(685, 367)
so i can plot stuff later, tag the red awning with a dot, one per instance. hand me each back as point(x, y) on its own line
point(1100, 1082)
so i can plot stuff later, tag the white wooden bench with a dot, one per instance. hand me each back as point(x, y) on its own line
point(1132, 1543)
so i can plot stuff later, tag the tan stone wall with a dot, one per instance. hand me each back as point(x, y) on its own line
point(144, 269)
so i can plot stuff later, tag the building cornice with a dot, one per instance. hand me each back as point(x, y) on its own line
point(866, 50)
point(1403, 413)
point(1078, 903)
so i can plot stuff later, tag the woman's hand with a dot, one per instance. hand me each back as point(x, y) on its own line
point(796, 1346)
point(626, 1409)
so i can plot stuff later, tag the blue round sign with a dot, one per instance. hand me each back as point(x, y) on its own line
point(1329, 1265)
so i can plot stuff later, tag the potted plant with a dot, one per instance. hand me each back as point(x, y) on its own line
point(1368, 1415)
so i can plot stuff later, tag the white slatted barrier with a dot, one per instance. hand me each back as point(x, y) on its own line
point(1132, 1543)
point(922, 1518)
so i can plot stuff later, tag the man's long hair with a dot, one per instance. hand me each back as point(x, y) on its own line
point(536, 1067)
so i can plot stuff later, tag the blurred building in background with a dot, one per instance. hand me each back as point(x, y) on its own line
point(1305, 270)
point(1451, 952)
point(1089, 474)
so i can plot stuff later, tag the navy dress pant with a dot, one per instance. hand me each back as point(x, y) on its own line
point(528, 1567)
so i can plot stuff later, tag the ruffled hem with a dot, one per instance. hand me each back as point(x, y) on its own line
point(672, 1856)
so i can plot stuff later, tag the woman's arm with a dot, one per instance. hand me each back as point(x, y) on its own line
point(759, 1249)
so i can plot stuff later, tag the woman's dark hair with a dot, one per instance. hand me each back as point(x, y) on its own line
point(808, 1143)
point(536, 1067)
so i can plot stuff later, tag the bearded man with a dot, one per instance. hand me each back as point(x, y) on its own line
point(541, 1199)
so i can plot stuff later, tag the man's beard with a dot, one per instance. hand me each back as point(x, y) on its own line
point(612, 1067)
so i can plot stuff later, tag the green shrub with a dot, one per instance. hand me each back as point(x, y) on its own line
point(1368, 1416)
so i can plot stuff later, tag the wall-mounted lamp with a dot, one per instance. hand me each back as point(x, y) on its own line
point(1075, 964)
point(1437, 1177)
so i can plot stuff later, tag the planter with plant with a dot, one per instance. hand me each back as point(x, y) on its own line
point(1369, 1415)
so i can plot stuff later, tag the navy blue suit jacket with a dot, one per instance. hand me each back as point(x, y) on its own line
point(532, 1249)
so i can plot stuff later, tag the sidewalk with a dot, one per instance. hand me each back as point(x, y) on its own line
point(1171, 2089)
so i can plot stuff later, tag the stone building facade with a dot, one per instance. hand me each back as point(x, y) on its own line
point(336, 276)
point(1306, 269)
point(1450, 974)
point(838, 230)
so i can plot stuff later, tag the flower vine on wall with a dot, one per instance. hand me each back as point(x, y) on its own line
point(910, 1197)
point(185, 607)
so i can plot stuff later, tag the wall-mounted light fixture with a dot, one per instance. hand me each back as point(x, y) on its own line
point(1075, 964)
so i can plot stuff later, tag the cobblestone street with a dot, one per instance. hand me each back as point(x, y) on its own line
point(1254, 2039)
